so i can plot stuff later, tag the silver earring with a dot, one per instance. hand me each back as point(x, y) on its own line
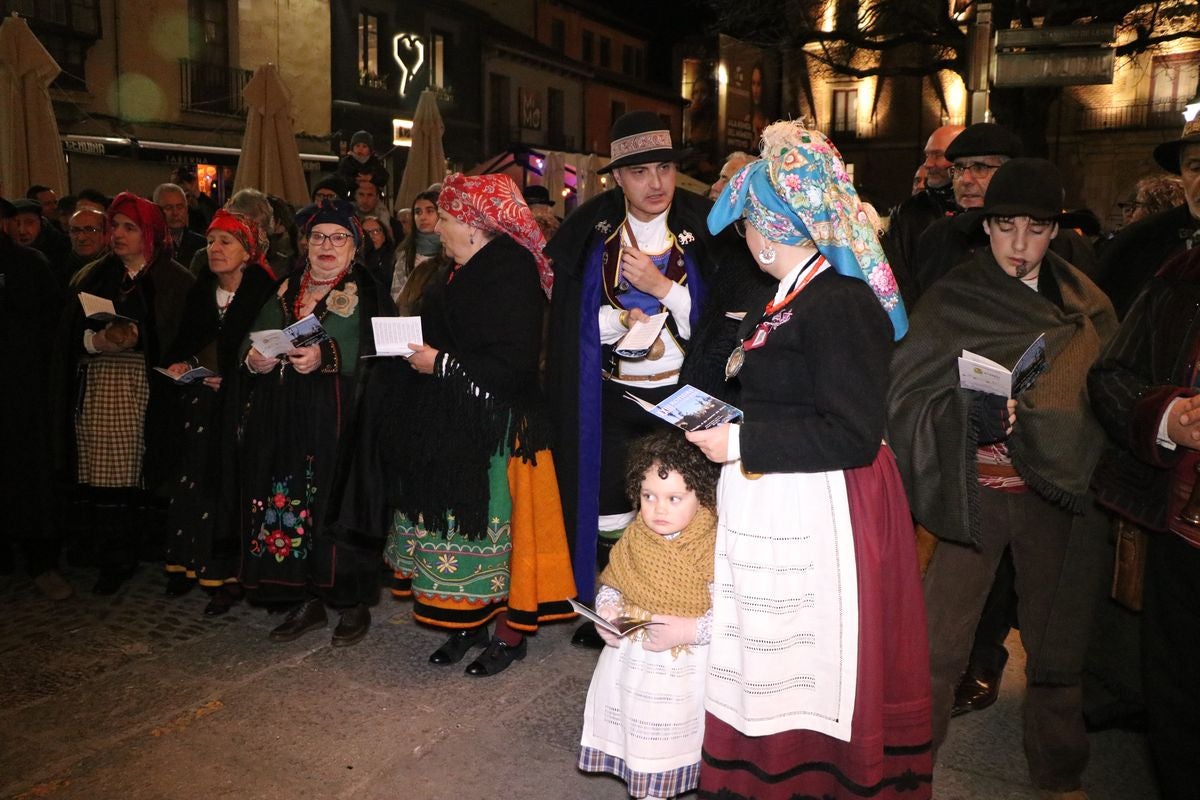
point(766, 254)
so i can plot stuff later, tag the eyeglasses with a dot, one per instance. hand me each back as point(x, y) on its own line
point(87, 229)
point(978, 169)
point(739, 225)
point(1131, 205)
point(373, 231)
point(316, 238)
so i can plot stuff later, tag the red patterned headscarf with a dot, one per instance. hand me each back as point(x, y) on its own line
point(248, 234)
point(149, 219)
point(494, 203)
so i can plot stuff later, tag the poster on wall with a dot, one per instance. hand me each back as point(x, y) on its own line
point(530, 108)
point(749, 94)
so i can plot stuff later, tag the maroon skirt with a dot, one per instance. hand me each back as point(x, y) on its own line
point(889, 754)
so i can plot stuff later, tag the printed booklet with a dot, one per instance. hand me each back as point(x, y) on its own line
point(641, 336)
point(984, 375)
point(621, 626)
point(193, 375)
point(100, 309)
point(301, 333)
point(393, 335)
point(691, 409)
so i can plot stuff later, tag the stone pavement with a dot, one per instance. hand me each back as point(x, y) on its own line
point(140, 697)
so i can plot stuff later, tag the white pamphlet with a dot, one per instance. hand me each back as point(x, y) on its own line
point(641, 336)
point(393, 335)
point(100, 309)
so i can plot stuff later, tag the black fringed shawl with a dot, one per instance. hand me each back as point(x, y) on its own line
point(486, 321)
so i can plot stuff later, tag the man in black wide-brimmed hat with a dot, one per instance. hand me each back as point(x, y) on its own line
point(639, 249)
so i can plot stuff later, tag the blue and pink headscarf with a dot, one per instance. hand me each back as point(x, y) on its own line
point(799, 192)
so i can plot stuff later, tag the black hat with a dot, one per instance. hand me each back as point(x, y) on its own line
point(1167, 154)
point(6, 209)
point(362, 137)
point(640, 137)
point(26, 206)
point(536, 195)
point(333, 182)
point(985, 139)
point(1025, 187)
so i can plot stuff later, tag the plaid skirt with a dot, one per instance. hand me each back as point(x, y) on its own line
point(109, 422)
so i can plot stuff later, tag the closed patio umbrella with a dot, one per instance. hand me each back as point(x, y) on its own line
point(270, 160)
point(30, 150)
point(426, 158)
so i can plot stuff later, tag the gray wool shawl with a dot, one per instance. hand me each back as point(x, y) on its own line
point(1055, 442)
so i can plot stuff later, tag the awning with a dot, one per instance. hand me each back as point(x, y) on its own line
point(174, 152)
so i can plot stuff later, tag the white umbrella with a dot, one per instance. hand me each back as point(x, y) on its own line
point(30, 150)
point(270, 160)
point(426, 158)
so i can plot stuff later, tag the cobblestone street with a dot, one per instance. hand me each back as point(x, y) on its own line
point(140, 697)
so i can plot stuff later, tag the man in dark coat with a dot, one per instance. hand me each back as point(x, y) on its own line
point(1143, 390)
point(173, 202)
point(935, 201)
point(30, 303)
point(987, 474)
point(638, 249)
point(31, 229)
point(976, 154)
point(1137, 252)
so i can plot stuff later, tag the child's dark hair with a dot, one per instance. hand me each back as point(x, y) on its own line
point(672, 453)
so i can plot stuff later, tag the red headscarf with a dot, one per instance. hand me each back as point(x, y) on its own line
point(494, 203)
point(247, 233)
point(149, 219)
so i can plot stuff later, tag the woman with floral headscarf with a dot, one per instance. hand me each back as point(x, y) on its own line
point(301, 405)
point(219, 311)
point(117, 445)
point(818, 679)
point(478, 534)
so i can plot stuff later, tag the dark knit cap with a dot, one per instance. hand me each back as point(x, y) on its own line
point(1025, 187)
point(362, 137)
point(26, 206)
point(334, 183)
point(985, 139)
point(336, 212)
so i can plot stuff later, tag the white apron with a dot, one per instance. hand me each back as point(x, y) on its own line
point(647, 708)
point(784, 652)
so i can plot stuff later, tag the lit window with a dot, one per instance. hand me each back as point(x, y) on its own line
point(368, 45)
point(437, 58)
point(845, 111)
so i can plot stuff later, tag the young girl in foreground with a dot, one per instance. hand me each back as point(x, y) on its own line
point(644, 719)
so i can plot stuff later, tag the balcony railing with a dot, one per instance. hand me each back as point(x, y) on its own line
point(1167, 114)
point(211, 88)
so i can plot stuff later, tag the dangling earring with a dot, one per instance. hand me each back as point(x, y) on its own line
point(766, 254)
point(472, 239)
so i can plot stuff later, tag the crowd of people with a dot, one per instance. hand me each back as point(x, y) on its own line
point(791, 604)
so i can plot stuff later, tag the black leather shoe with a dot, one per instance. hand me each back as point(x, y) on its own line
point(458, 644)
point(352, 627)
point(178, 584)
point(977, 690)
point(586, 637)
point(496, 658)
point(305, 617)
point(224, 598)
